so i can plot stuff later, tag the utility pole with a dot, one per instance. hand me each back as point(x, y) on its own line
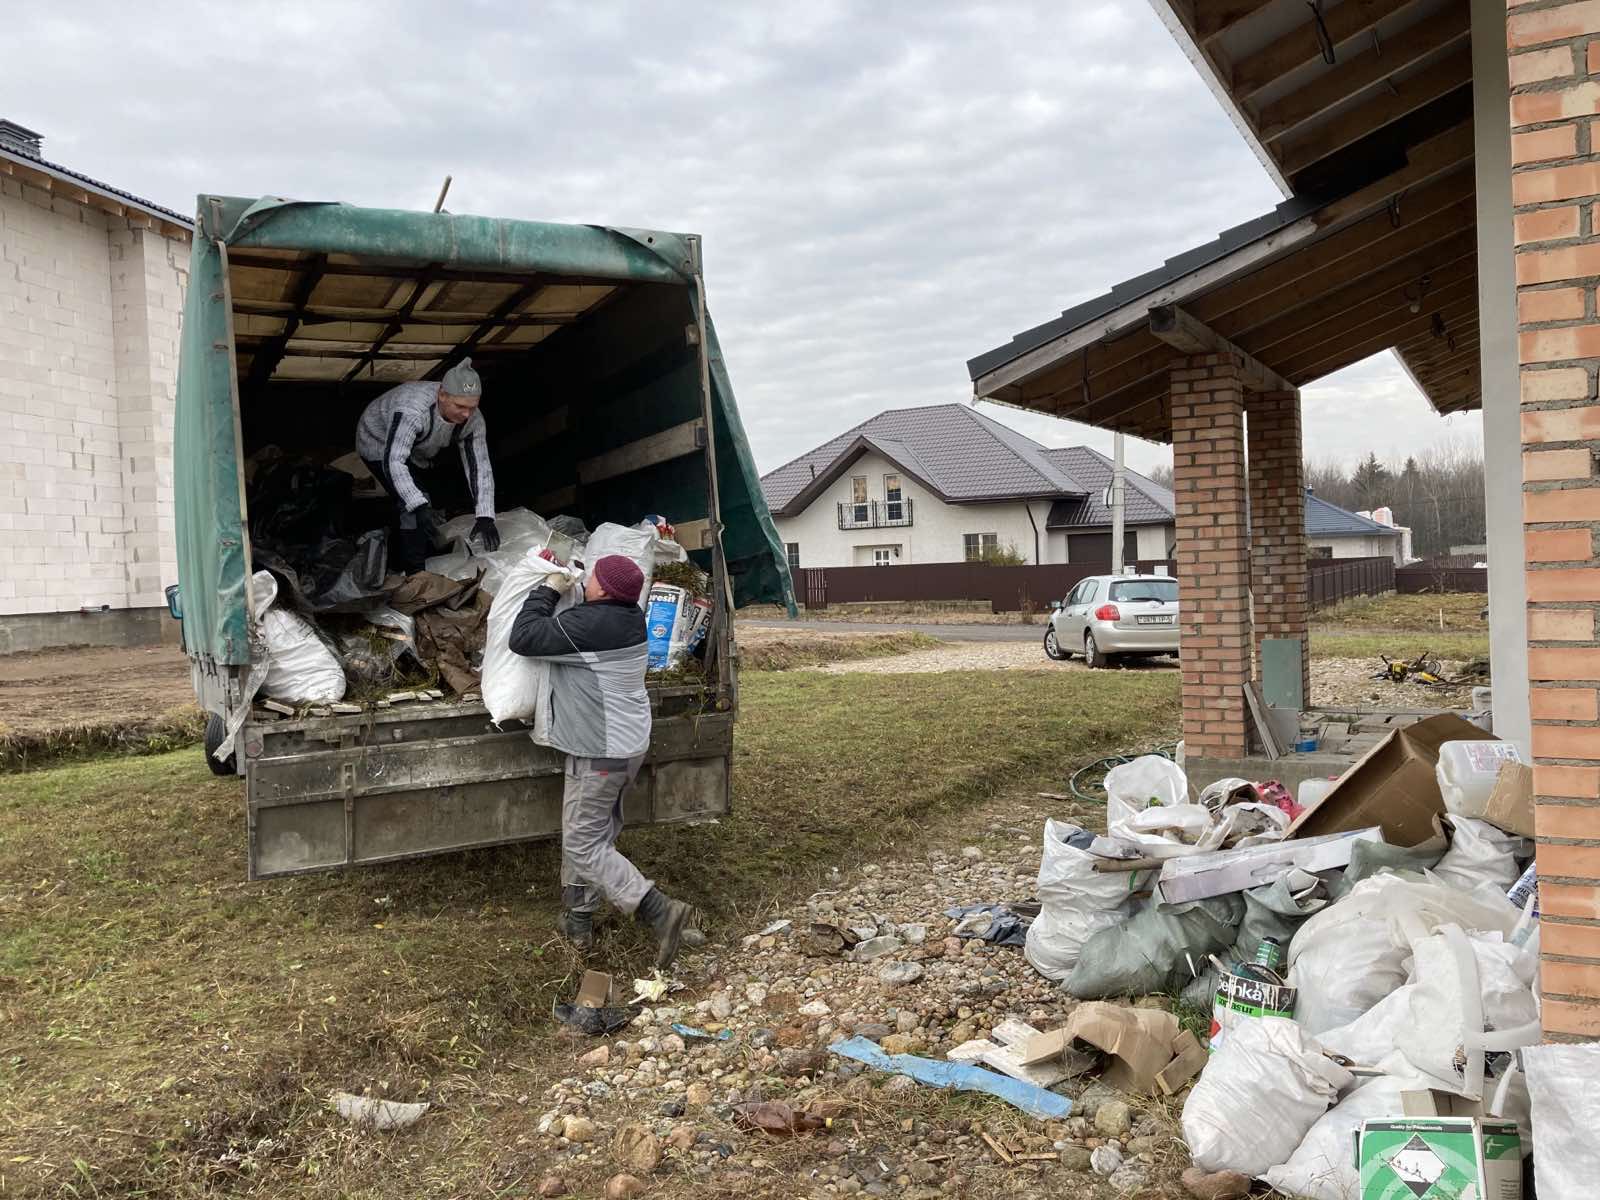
point(1117, 494)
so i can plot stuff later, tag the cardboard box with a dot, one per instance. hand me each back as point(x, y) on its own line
point(1393, 787)
point(1197, 876)
point(595, 990)
point(1439, 1158)
point(1511, 803)
point(1143, 1046)
point(1432, 1103)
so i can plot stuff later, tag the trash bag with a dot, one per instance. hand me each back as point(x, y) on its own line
point(1566, 1112)
point(1323, 1165)
point(639, 544)
point(1159, 948)
point(1274, 910)
point(372, 650)
point(300, 669)
point(1259, 1096)
point(335, 575)
point(1481, 854)
point(1372, 858)
point(1132, 787)
point(514, 686)
point(520, 531)
point(1076, 902)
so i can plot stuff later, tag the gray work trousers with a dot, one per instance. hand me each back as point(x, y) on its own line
point(592, 869)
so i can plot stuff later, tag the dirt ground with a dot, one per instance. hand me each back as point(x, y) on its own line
point(46, 690)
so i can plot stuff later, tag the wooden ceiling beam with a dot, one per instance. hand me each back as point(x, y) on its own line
point(494, 321)
point(1305, 43)
point(263, 262)
point(1354, 75)
point(425, 280)
point(1396, 101)
point(1439, 155)
point(334, 315)
point(1188, 335)
point(272, 351)
point(1372, 316)
point(1213, 18)
point(1379, 336)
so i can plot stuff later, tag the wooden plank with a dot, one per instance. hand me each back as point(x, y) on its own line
point(680, 440)
point(1275, 60)
point(1264, 730)
point(271, 352)
point(424, 286)
point(1377, 337)
point(1183, 332)
point(1350, 126)
point(1212, 18)
point(488, 325)
point(1005, 1055)
point(267, 261)
point(1436, 156)
point(1390, 306)
point(1355, 74)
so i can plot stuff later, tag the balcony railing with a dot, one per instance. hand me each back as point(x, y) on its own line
point(875, 514)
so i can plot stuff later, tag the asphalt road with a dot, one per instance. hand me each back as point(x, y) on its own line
point(949, 633)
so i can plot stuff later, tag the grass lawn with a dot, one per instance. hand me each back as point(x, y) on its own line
point(168, 1030)
point(1402, 627)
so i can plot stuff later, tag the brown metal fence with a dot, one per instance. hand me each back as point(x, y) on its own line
point(1413, 581)
point(1330, 580)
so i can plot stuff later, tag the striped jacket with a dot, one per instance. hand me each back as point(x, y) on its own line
point(402, 429)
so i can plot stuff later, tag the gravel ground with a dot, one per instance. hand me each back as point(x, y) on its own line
point(1348, 682)
point(979, 656)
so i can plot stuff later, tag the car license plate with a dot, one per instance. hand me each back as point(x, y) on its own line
point(1156, 620)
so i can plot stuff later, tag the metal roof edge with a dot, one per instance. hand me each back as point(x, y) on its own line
point(104, 190)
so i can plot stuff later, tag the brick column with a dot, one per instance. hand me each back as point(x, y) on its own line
point(1213, 556)
point(1278, 523)
point(1555, 183)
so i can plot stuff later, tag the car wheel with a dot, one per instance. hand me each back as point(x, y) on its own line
point(1052, 648)
point(1091, 652)
point(216, 731)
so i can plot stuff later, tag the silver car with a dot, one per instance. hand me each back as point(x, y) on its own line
point(1109, 616)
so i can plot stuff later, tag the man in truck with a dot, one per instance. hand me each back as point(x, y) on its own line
point(405, 429)
point(600, 716)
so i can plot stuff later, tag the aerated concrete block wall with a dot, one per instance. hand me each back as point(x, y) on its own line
point(89, 316)
point(1554, 51)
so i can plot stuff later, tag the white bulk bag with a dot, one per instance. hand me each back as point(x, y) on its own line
point(1147, 802)
point(1259, 1096)
point(1481, 853)
point(638, 544)
point(1075, 903)
point(1323, 1166)
point(1566, 1113)
point(300, 669)
point(514, 686)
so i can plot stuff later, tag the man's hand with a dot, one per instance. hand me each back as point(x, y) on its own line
point(558, 582)
point(488, 532)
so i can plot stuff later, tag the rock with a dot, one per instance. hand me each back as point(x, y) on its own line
point(901, 1043)
point(681, 1138)
point(1143, 1145)
point(1113, 1118)
point(756, 995)
point(906, 1021)
point(671, 1108)
point(1106, 1160)
point(595, 1058)
point(873, 1032)
point(624, 1187)
point(698, 1095)
point(672, 1044)
point(578, 1129)
point(1130, 1177)
point(636, 1148)
point(971, 853)
point(815, 1008)
point(952, 947)
point(801, 1062)
point(963, 1032)
point(1223, 1185)
point(1094, 1095)
point(875, 948)
point(898, 974)
point(1076, 1158)
point(913, 935)
point(900, 1085)
point(552, 1185)
point(921, 1172)
point(722, 1006)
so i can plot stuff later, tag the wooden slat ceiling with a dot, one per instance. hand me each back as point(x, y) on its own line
point(331, 318)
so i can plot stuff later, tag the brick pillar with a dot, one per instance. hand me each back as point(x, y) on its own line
point(1213, 556)
point(1278, 523)
point(1555, 183)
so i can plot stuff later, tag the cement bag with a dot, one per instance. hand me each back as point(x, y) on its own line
point(1566, 1113)
point(1481, 854)
point(1323, 1166)
point(667, 622)
point(1160, 948)
point(300, 669)
point(513, 685)
point(1076, 902)
point(1259, 1096)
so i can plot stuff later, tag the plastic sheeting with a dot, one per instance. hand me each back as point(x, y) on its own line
point(1034, 1101)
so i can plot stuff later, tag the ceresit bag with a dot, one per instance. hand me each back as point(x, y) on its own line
point(667, 622)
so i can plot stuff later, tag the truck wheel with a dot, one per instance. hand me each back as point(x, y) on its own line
point(1091, 653)
point(216, 731)
point(1052, 648)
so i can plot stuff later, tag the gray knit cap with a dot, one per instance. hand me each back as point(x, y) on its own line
point(462, 380)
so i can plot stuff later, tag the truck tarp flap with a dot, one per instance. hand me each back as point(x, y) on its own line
point(208, 447)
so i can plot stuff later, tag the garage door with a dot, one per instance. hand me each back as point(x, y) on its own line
point(1096, 547)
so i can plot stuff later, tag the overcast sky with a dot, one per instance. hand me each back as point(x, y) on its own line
point(885, 189)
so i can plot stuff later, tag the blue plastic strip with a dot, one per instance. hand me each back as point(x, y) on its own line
point(1034, 1101)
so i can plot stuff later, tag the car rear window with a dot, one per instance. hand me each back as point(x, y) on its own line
point(1145, 589)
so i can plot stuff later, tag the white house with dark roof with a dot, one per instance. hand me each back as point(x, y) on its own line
point(945, 483)
point(1334, 532)
point(91, 299)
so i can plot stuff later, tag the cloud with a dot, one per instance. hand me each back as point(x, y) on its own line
point(885, 190)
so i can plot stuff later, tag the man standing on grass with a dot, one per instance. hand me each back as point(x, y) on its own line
point(600, 716)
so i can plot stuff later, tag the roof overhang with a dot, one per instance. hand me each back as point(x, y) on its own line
point(1374, 250)
point(71, 186)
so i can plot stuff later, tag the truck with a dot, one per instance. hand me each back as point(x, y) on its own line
point(606, 398)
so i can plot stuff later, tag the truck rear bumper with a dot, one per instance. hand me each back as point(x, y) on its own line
point(404, 783)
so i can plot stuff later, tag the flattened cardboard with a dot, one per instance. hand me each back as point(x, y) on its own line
point(1189, 1059)
point(1394, 786)
point(1138, 1041)
point(594, 990)
point(1511, 803)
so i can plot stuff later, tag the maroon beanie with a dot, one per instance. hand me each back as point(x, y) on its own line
point(620, 577)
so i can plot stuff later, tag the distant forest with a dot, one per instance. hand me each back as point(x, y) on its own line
point(1438, 493)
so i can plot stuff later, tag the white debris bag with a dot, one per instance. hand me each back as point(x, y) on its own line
point(1075, 900)
point(1147, 803)
point(1259, 1096)
point(300, 668)
point(1481, 853)
point(520, 531)
point(1566, 1113)
point(642, 543)
point(514, 686)
point(1323, 1166)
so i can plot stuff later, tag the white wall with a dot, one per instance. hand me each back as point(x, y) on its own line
point(89, 312)
point(935, 534)
point(1376, 545)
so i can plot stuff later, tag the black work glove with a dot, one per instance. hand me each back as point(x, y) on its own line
point(488, 531)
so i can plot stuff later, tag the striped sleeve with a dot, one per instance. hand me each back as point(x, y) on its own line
point(475, 462)
point(404, 429)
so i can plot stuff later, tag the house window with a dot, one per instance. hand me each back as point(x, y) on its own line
point(858, 498)
point(893, 501)
point(794, 556)
point(977, 545)
point(1320, 552)
point(881, 556)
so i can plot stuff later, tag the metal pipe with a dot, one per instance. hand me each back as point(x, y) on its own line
point(1117, 493)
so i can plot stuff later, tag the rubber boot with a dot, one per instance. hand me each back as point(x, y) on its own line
point(670, 919)
point(576, 925)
